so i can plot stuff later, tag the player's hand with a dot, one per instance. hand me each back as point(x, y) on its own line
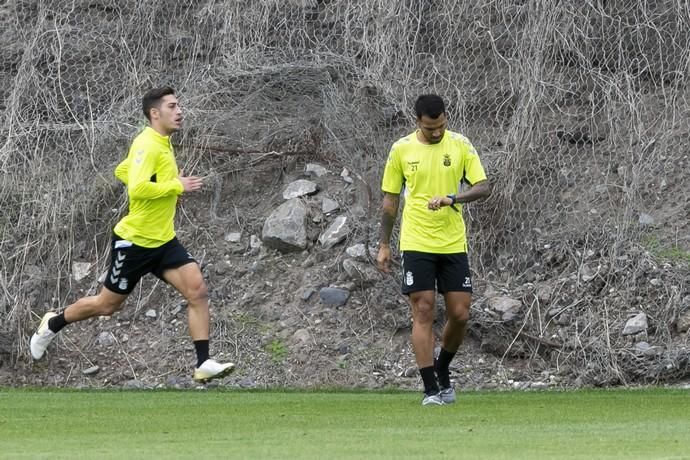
point(383, 258)
point(190, 183)
point(438, 202)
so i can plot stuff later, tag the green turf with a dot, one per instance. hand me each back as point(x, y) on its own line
point(644, 424)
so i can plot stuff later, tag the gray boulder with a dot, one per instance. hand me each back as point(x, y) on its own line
point(360, 271)
point(315, 169)
point(335, 233)
point(334, 296)
point(635, 325)
point(285, 229)
point(328, 205)
point(300, 188)
point(507, 306)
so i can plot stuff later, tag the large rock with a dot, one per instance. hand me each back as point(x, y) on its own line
point(335, 233)
point(233, 237)
point(507, 306)
point(93, 370)
point(300, 188)
point(635, 325)
point(315, 169)
point(285, 229)
point(81, 270)
point(359, 252)
point(328, 205)
point(360, 271)
point(334, 296)
point(645, 349)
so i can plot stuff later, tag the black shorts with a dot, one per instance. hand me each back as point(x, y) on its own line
point(423, 271)
point(129, 262)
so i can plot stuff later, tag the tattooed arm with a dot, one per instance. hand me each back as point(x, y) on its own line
point(388, 216)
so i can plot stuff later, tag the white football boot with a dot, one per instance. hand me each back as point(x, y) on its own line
point(42, 338)
point(211, 369)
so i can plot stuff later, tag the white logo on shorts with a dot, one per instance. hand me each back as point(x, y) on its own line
point(468, 282)
point(409, 279)
point(123, 284)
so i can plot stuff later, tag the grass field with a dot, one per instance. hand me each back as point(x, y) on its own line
point(621, 424)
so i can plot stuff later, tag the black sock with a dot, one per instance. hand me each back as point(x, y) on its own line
point(57, 322)
point(429, 379)
point(201, 347)
point(441, 364)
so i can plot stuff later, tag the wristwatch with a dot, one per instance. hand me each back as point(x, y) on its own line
point(454, 200)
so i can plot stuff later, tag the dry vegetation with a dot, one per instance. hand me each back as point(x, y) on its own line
point(579, 111)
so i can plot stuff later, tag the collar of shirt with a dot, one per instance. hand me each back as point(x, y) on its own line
point(156, 137)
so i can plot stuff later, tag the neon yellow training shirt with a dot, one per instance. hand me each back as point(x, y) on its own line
point(151, 176)
point(425, 171)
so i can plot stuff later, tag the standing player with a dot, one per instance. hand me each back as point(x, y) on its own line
point(144, 240)
point(429, 166)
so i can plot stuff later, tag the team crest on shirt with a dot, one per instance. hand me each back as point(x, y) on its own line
point(446, 160)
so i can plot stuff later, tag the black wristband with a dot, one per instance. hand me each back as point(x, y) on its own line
point(453, 199)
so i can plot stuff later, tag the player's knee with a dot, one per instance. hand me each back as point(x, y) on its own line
point(197, 291)
point(459, 314)
point(423, 311)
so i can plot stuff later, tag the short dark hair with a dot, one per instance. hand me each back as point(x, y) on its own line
point(430, 105)
point(152, 99)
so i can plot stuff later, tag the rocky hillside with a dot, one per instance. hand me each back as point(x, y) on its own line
point(297, 301)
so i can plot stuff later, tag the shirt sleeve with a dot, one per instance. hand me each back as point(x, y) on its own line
point(393, 177)
point(122, 171)
point(142, 167)
point(474, 171)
